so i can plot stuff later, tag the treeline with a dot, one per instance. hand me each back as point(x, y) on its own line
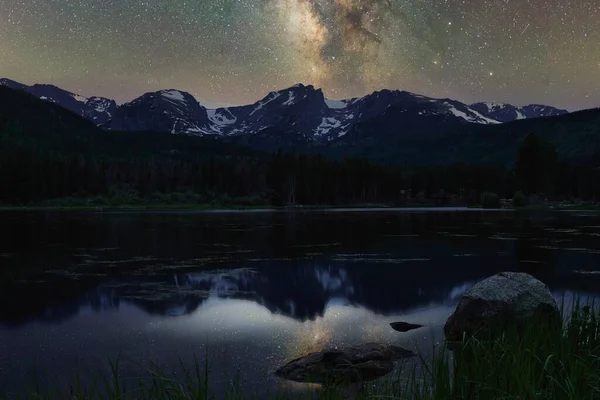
point(31, 174)
point(50, 154)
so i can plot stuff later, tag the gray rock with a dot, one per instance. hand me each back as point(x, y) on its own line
point(360, 363)
point(402, 326)
point(505, 299)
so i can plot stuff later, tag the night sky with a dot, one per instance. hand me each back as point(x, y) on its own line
point(236, 51)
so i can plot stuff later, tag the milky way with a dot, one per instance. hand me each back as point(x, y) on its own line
point(236, 51)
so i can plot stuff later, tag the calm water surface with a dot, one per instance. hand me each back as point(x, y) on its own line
point(256, 289)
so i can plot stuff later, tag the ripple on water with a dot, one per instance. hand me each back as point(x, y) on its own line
point(497, 237)
point(379, 260)
point(576, 249)
point(316, 245)
point(586, 272)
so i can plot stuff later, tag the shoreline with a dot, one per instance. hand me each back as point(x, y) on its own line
point(270, 208)
point(224, 208)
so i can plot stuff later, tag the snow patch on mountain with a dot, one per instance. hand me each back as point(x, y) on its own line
point(327, 124)
point(290, 100)
point(172, 94)
point(494, 106)
point(343, 131)
point(101, 107)
point(79, 98)
point(221, 119)
point(474, 118)
point(100, 104)
point(506, 112)
point(272, 96)
point(484, 118)
point(218, 117)
point(457, 113)
point(195, 130)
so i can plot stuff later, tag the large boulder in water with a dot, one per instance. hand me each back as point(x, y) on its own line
point(508, 299)
point(360, 363)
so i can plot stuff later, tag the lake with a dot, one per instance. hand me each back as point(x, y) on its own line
point(254, 290)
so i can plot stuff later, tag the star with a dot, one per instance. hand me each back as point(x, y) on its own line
point(237, 51)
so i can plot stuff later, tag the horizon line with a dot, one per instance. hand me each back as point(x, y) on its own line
point(213, 105)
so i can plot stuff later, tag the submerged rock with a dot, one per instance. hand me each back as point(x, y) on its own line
point(508, 299)
point(402, 326)
point(360, 363)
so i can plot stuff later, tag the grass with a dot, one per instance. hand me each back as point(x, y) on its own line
point(57, 206)
point(581, 208)
point(534, 208)
point(182, 206)
point(532, 364)
point(138, 207)
point(567, 207)
point(543, 207)
point(156, 201)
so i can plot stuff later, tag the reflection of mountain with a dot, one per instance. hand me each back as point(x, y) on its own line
point(300, 290)
point(296, 263)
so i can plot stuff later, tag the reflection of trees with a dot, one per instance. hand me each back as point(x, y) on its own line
point(323, 256)
point(41, 302)
point(300, 290)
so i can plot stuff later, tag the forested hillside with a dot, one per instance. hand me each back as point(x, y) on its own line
point(576, 137)
point(50, 155)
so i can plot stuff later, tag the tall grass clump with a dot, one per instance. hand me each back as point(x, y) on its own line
point(530, 363)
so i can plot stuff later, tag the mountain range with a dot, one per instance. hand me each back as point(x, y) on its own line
point(99, 110)
point(301, 113)
point(386, 126)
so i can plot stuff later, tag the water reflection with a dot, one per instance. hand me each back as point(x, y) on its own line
point(259, 289)
point(301, 290)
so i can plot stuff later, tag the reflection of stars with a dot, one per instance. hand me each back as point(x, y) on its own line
point(313, 336)
point(374, 332)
